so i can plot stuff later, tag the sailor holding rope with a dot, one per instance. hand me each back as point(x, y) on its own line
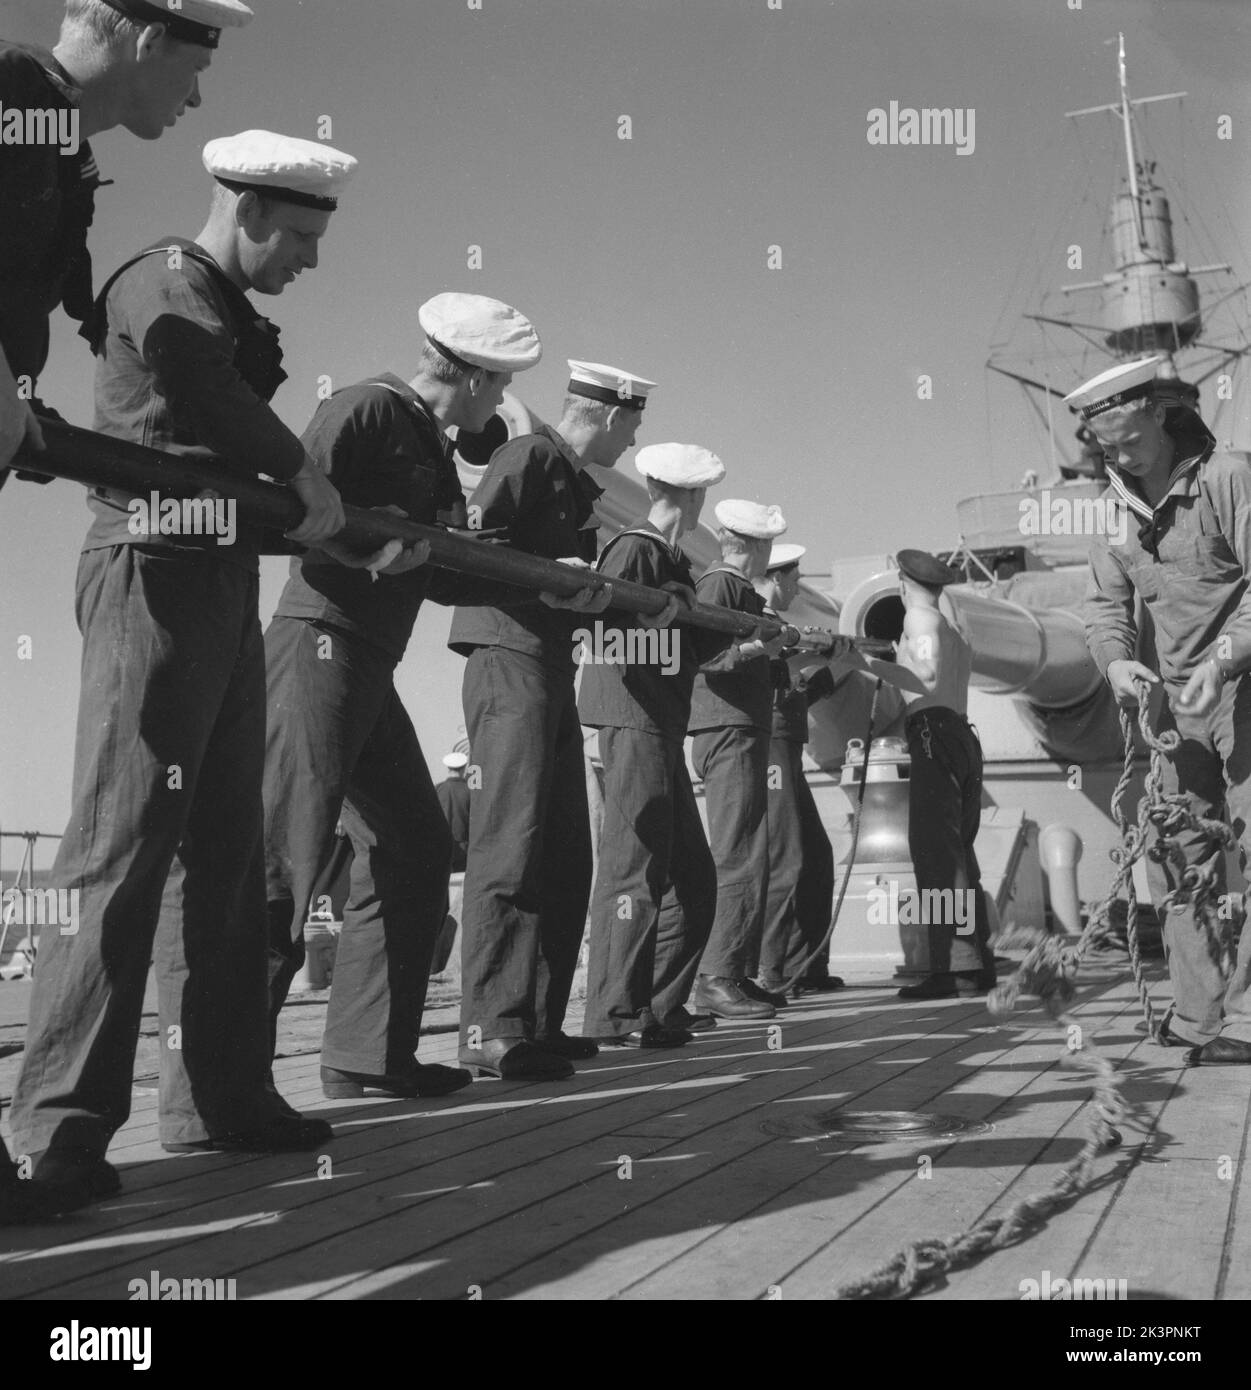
point(1188, 560)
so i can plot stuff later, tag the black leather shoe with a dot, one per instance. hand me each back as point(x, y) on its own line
point(753, 990)
point(425, 1079)
point(571, 1049)
point(945, 985)
point(281, 1106)
point(942, 986)
point(76, 1170)
point(683, 1018)
point(821, 984)
point(652, 1036)
point(720, 996)
point(1223, 1050)
point(279, 1136)
point(514, 1059)
point(24, 1202)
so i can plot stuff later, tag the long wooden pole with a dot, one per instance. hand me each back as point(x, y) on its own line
point(98, 460)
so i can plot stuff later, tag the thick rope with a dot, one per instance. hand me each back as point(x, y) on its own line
point(1049, 969)
point(823, 945)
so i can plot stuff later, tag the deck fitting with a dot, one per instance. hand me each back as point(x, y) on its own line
point(875, 1126)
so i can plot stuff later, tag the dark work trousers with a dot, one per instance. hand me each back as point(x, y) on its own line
point(168, 761)
point(733, 763)
point(944, 813)
point(1212, 767)
point(655, 887)
point(341, 746)
point(528, 876)
point(801, 869)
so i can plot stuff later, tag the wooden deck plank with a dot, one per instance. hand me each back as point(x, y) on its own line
point(622, 1115)
point(514, 1188)
point(723, 1128)
point(776, 1222)
point(1198, 1137)
point(1058, 1128)
point(379, 1147)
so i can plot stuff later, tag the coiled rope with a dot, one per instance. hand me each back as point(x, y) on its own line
point(1049, 970)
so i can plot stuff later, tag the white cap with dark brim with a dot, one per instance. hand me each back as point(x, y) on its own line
point(610, 385)
point(751, 519)
point(305, 172)
point(680, 465)
point(784, 555)
point(191, 21)
point(474, 331)
point(1127, 381)
point(454, 760)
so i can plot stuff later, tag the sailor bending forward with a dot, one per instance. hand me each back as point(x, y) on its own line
point(340, 742)
point(171, 721)
point(656, 884)
point(731, 720)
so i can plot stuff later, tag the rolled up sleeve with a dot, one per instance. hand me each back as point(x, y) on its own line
point(1229, 491)
point(1111, 633)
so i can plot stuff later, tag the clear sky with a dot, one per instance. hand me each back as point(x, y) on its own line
point(499, 128)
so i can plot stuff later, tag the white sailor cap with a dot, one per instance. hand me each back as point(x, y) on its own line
point(191, 21)
point(751, 519)
point(1127, 381)
point(680, 465)
point(474, 331)
point(453, 760)
point(611, 385)
point(784, 555)
point(305, 172)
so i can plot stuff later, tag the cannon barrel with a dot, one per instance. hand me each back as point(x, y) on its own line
point(1034, 653)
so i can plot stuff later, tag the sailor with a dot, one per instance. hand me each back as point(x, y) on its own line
point(117, 62)
point(171, 722)
point(1186, 554)
point(453, 794)
point(656, 883)
point(945, 786)
point(731, 720)
point(801, 860)
point(339, 738)
point(529, 873)
point(107, 69)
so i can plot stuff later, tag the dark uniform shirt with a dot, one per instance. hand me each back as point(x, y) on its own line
point(1188, 559)
point(793, 696)
point(535, 492)
point(47, 200)
point(186, 365)
point(643, 696)
point(732, 689)
point(453, 794)
point(381, 446)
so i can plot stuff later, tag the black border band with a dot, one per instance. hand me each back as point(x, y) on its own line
point(606, 395)
point(286, 195)
point(179, 26)
point(450, 356)
point(1132, 393)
